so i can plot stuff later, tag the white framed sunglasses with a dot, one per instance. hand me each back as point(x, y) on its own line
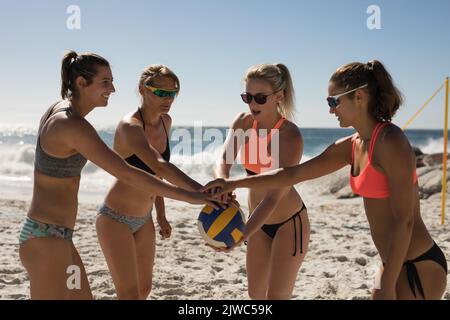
point(333, 101)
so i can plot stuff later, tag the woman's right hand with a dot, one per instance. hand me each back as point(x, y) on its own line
point(219, 187)
point(203, 198)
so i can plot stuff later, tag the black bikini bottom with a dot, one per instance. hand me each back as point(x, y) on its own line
point(271, 229)
point(434, 254)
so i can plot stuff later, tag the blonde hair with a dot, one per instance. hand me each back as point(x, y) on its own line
point(279, 78)
point(155, 71)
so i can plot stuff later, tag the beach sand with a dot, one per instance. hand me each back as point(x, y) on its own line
point(340, 264)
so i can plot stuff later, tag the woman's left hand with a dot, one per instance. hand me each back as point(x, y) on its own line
point(165, 229)
point(219, 186)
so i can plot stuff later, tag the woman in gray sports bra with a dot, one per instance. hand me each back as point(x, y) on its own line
point(66, 140)
point(125, 227)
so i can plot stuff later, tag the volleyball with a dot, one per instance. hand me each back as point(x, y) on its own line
point(221, 228)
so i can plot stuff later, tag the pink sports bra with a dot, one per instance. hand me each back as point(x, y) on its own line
point(371, 183)
point(251, 157)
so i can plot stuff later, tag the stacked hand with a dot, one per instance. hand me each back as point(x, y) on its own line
point(204, 198)
point(222, 190)
point(219, 187)
point(216, 193)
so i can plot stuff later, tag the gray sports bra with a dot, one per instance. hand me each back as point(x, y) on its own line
point(57, 167)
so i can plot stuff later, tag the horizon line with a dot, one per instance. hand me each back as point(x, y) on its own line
point(108, 126)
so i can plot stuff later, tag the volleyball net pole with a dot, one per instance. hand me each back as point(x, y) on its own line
point(444, 155)
point(423, 107)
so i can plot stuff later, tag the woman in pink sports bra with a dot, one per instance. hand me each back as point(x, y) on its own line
point(382, 162)
point(277, 231)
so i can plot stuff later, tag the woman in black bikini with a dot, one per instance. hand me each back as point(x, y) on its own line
point(125, 227)
point(278, 227)
point(363, 96)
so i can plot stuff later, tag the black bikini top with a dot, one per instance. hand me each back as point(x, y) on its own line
point(138, 163)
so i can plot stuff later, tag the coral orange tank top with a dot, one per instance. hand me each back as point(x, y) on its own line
point(371, 183)
point(255, 158)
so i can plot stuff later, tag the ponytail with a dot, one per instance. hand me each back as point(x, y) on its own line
point(74, 66)
point(287, 107)
point(387, 98)
point(384, 97)
point(67, 60)
point(279, 77)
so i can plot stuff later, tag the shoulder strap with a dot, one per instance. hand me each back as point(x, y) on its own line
point(354, 138)
point(277, 126)
point(167, 135)
point(50, 113)
point(373, 140)
point(142, 118)
point(279, 123)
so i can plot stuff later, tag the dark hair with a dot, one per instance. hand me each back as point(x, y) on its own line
point(74, 65)
point(384, 97)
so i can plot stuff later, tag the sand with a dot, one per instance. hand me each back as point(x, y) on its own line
point(341, 262)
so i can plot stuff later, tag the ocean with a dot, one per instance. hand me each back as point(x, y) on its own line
point(194, 150)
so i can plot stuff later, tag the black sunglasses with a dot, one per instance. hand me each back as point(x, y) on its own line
point(259, 97)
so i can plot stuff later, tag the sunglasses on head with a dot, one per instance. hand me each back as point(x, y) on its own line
point(162, 93)
point(259, 97)
point(333, 101)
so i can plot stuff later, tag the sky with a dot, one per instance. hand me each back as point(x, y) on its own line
point(210, 44)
